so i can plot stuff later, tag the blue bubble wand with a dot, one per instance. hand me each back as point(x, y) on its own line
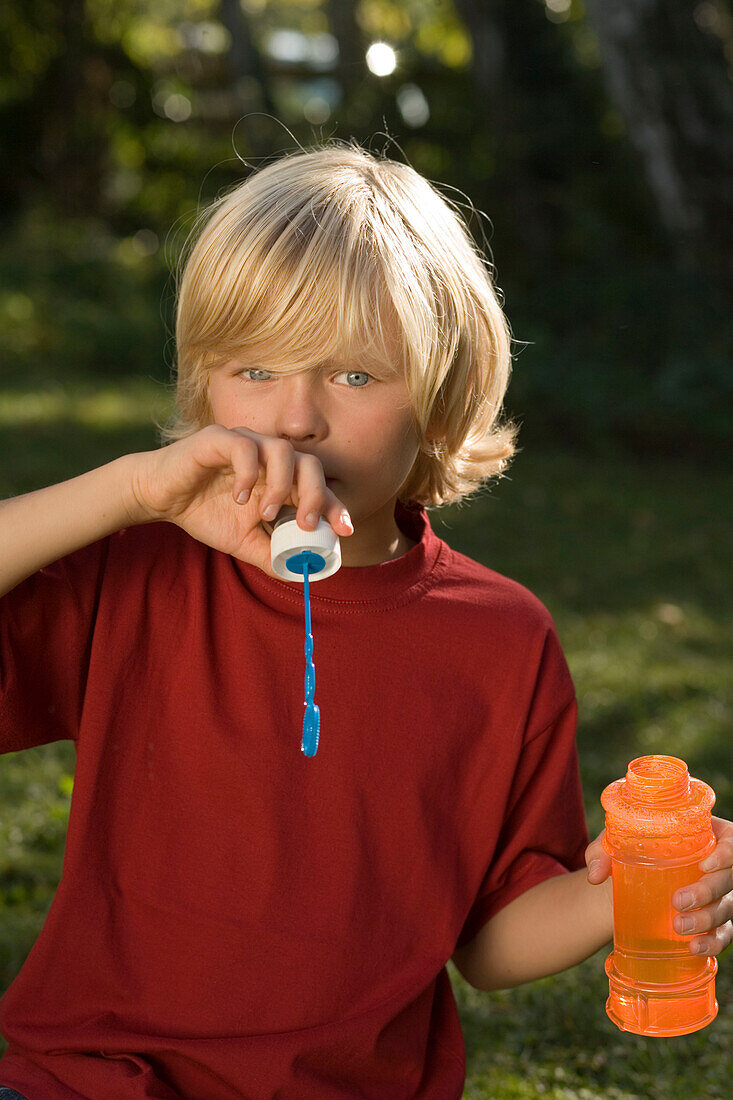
point(301, 563)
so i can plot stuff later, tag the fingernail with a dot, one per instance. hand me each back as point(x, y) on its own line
point(243, 496)
point(709, 864)
point(700, 949)
point(686, 900)
point(312, 519)
point(346, 520)
point(686, 924)
point(270, 511)
point(594, 867)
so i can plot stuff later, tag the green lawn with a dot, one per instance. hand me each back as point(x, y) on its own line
point(632, 558)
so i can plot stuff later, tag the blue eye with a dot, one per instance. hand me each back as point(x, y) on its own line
point(254, 370)
point(362, 373)
point(259, 370)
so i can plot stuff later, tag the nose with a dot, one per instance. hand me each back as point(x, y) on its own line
point(299, 417)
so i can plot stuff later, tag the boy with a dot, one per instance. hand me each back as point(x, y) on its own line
point(235, 919)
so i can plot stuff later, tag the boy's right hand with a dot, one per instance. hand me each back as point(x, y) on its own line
point(194, 483)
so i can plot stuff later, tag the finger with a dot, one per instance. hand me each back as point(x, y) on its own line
point(338, 515)
point(722, 854)
point(705, 918)
point(597, 860)
point(595, 849)
point(316, 499)
point(714, 943)
point(246, 463)
point(246, 467)
point(722, 827)
point(311, 482)
point(713, 885)
point(279, 469)
point(599, 870)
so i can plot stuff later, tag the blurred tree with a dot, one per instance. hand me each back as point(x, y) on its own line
point(54, 106)
point(352, 45)
point(125, 118)
point(667, 67)
point(245, 60)
point(490, 23)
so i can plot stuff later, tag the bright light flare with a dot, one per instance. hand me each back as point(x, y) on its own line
point(381, 59)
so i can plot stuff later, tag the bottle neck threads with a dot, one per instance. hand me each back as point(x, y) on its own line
point(658, 780)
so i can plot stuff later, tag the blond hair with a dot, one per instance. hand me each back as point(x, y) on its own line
point(331, 249)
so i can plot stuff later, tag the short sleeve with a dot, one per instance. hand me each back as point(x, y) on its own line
point(544, 831)
point(46, 627)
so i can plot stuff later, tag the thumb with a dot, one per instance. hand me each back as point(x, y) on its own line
point(597, 860)
point(599, 868)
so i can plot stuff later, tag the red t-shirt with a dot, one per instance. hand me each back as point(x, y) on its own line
point(236, 919)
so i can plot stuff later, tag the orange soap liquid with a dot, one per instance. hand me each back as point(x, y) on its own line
point(658, 828)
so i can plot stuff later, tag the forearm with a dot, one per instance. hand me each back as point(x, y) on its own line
point(555, 925)
point(43, 526)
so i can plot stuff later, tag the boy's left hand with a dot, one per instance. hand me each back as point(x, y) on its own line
point(711, 897)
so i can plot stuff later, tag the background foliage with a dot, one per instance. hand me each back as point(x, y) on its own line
point(591, 167)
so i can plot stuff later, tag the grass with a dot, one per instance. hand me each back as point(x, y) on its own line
point(631, 557)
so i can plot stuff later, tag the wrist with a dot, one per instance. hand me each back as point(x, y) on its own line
point(131, 499)
point(605, 906)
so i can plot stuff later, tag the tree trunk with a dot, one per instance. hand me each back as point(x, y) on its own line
point(351, 69)
point(72, 141)
point(668, 77)
point(245, 63)
point(486, 21)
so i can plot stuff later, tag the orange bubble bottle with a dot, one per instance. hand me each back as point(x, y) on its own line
point(658, 828)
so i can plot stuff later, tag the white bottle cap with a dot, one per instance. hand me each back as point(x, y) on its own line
point(288, 540)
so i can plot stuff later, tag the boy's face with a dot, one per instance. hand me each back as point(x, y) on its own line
point(359, 426)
